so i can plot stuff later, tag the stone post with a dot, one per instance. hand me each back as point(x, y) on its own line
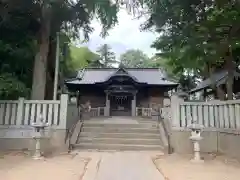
point(134, 105)
point(63, 111)
point(107, 107)
point(175, 110)
point(20, 110)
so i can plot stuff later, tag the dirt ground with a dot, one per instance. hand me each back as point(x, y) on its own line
point(20, 166)
point(176, 167)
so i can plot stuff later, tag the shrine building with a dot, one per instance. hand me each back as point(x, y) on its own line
point(120, 91)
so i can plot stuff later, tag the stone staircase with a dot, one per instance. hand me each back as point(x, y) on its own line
point(112, 135)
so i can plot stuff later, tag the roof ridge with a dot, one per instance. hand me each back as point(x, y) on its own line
point(118, 68)
point(81, 73)
point(115, 69)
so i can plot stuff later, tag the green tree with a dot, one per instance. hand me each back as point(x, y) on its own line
point(186, 78)
point(49, 17)
point(197, 36)
point(70, 16)
point(17, 50)
point(106, 57)
point(134, 58)
point(81, 57)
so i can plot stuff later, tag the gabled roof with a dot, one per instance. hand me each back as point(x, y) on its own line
point(151, 76)
point(121, 72)
point(217, 79)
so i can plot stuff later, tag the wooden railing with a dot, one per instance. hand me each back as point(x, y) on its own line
point(96, 112)
point(143, 112)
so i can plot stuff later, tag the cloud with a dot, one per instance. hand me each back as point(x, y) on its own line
point(126, 35)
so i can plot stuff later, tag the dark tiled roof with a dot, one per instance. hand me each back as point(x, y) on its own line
point(217, 78)
point(152, 76)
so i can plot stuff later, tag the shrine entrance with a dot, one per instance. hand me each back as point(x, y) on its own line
point(120, 104)
point(121, 89)
point(121, 100)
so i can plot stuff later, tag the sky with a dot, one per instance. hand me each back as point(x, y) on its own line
point(126, 35)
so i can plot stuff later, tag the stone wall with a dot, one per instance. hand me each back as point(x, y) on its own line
point(229, 143)
point(19, 136)
point(22, 139)
point(215, 139)
point(213, 142)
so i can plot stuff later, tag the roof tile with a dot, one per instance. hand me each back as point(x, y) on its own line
point(151, 76)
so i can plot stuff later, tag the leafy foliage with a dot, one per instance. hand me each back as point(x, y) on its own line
point(23, 27)
point(11, 87)
point(81, 57)
point(196, 36)
point(134, 58)
point(17, 49)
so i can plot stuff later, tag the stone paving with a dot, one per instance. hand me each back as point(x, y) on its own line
point(117, 166)
point(125, 166)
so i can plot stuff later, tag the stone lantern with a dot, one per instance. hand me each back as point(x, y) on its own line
point(196, 130)
point(39, 127)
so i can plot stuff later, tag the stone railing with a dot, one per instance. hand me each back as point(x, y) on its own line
point(212, 114)
point(17, 118)
point(25, 112)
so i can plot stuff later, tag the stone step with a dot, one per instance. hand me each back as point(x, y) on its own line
point(120, 141)
point(120, 135)
point(104, 125)
point(119, 130)
point(118, 147)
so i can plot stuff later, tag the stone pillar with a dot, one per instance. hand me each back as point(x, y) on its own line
point(175, 110)
point(20, 110)
point(64, 100)
point(107, 107)
point(134, 105)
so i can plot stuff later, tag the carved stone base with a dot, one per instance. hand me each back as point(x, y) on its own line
point(38, 157)
point(194, 160)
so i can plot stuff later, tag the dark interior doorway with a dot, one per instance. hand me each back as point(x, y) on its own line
point(121, 104)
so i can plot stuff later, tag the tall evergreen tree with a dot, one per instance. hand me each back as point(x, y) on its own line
point(106, 56)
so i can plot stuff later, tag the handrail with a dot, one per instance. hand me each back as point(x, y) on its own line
point(143, 112)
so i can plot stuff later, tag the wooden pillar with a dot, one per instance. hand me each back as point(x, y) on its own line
point(107, 107)
point(134, 105)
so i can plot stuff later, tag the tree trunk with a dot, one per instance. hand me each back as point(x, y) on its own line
point(220, 93)
point(40, 62)
point(230, 77)
point(50, 70)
